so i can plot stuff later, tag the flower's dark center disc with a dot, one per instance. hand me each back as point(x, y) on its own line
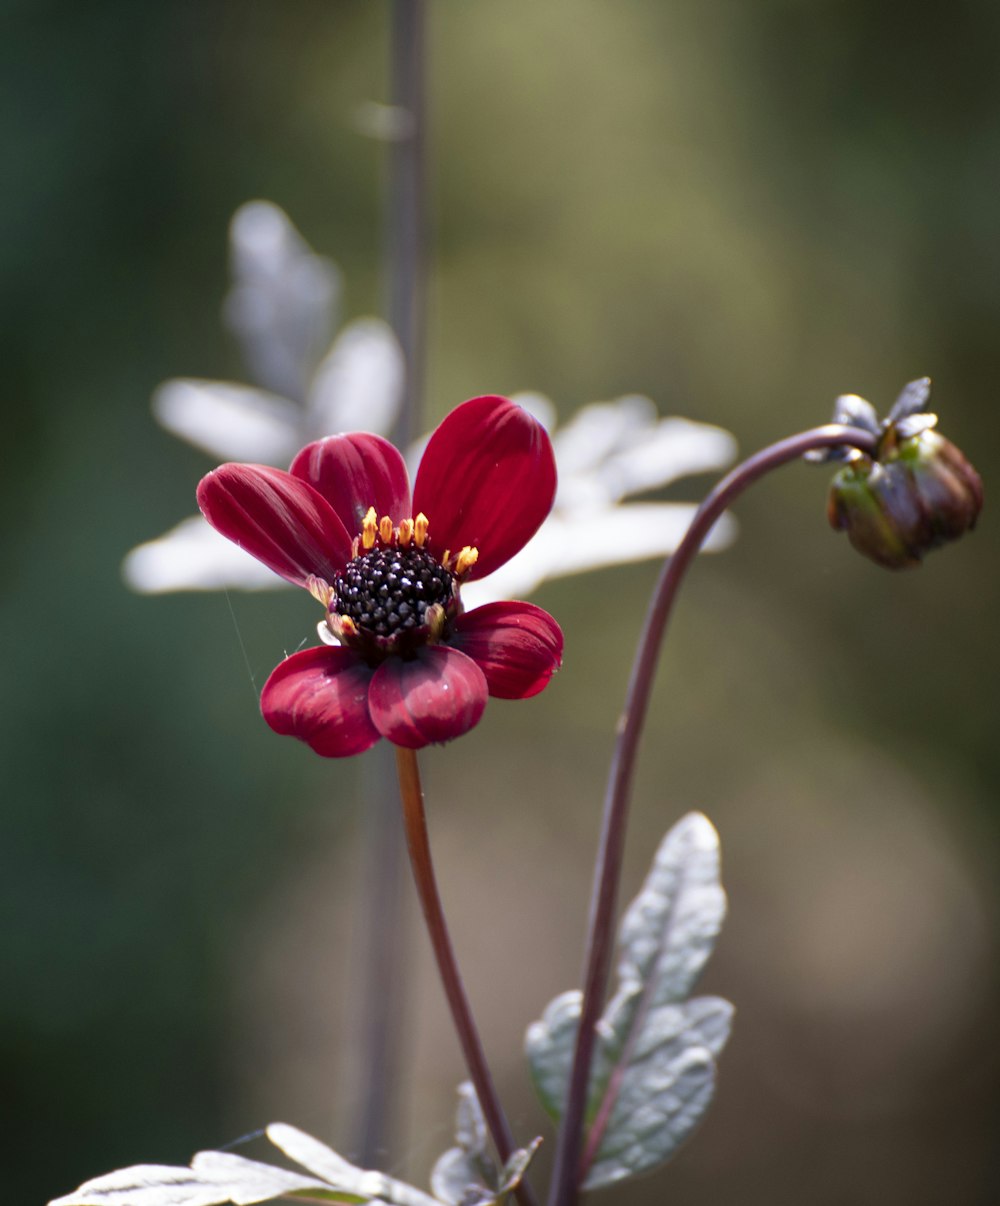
point(387, 591)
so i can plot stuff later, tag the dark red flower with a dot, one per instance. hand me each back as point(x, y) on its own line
point(408, 663)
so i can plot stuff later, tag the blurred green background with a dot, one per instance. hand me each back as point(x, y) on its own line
point(741, 208)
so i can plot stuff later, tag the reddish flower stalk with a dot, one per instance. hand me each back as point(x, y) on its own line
point(570, 1170)
point(417, 842)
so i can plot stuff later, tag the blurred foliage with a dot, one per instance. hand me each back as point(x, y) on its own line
point(743, 209)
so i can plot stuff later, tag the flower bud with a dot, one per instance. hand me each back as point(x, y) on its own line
point(917, 492)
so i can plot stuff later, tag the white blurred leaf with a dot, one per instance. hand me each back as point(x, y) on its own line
point(193, 556)
point(672, 449)
point(538, 406)
point(282, 301)
point(234, 422)
point(613, 449)
point(577, 543)
point(596, 431)
point(359, 383)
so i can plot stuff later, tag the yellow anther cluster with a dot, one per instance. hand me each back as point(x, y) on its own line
point(375, 530)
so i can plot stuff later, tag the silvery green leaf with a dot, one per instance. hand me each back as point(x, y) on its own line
point(467, 1172)
point(455, 1178)
point(215, 1178)
point(220, 1178)
point(668, 931)
point(470, 1125)
point(657, 1108)
point(653, 1069)
point(467, 1175)
point(549, 1045)
point(340, 1173)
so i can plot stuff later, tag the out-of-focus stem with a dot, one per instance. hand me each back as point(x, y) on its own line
point(384, 977)
point(405, 214)
point(569, 1171)
point(415, 823)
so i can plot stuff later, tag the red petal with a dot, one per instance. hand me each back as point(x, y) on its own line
point(281, 520)
point(487, 479)
point(517, 646)
point(354, 472)
point(439, 695)
point(320, 696)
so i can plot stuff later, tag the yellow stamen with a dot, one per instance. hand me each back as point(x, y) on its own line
point(420, 526)
point(385, 529)
point(465, 560)
point(368, 529)
point(404, 533)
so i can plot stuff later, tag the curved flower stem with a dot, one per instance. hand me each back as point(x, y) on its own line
point(568, 1172)
point(415, 822)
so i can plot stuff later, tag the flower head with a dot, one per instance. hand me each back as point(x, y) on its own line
point(916, 492)
point(403, 660)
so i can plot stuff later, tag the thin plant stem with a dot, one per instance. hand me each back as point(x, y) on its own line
point(569, 1169)
point(383, 994)
point(415, 824)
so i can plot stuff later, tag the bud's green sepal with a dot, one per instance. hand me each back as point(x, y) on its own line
point(915, 493)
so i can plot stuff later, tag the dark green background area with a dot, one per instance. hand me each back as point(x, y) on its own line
point(741, 208)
